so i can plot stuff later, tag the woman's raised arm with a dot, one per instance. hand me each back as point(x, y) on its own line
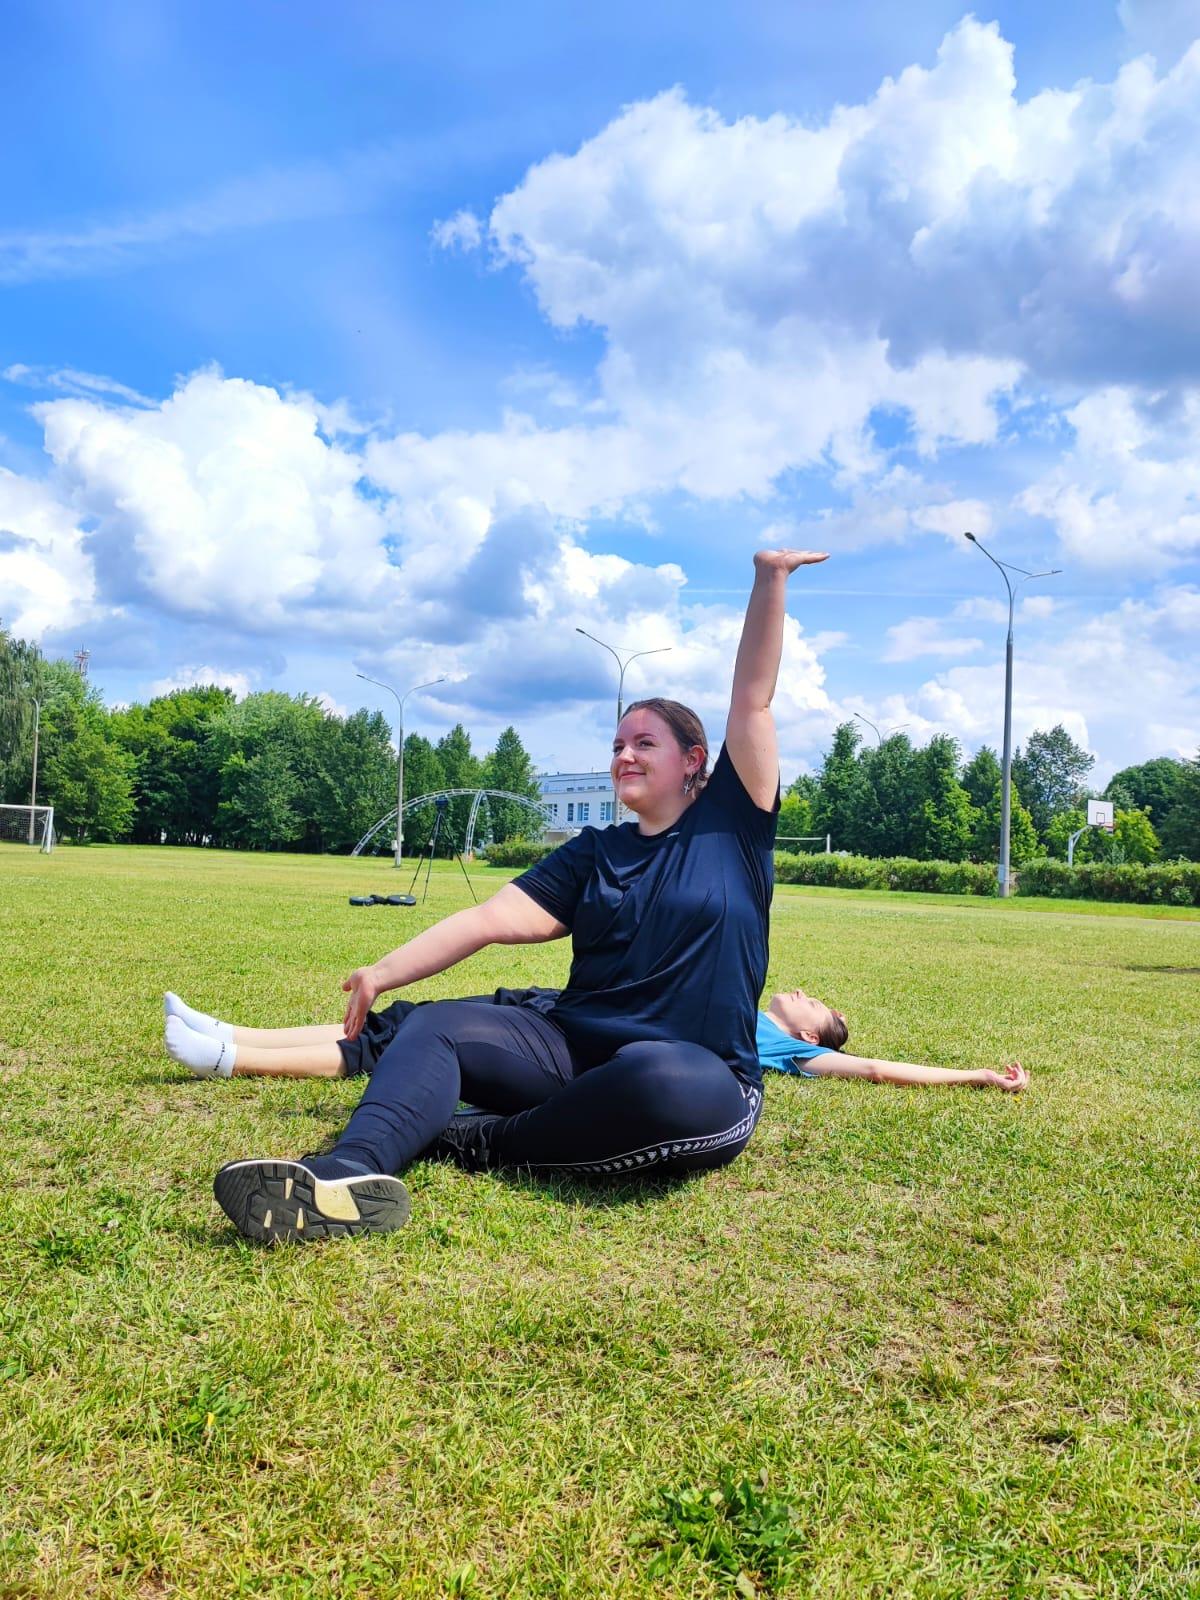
point(508, 917)
point(750, 731)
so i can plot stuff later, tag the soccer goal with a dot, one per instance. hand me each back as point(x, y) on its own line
point(28, 825)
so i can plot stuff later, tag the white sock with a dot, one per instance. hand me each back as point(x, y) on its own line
point(197, 1021)
point(200, 1053)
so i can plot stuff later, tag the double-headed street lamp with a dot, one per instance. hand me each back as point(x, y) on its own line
point(629, 659)
point(875, 730)
point(1005, 567)
point(400, 699)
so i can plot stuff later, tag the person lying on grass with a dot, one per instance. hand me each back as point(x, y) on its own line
point(796, 1034)
point(647, 1061)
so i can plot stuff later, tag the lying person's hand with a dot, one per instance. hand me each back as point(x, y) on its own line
point(363, 987)
point(1013, 1077)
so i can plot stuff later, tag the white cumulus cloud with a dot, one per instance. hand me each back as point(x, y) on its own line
point(1127, 493)
point(766, 288)
point(201, 677)
point(224, 501)
point(942, 220)
point(462, 231)
point(47, 578)
point(923, 636)
point(1125, 683)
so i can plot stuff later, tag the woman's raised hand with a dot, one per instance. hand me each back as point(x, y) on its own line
point(363, 987)
point(786, 561)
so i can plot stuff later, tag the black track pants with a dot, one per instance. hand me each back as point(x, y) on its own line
point(669, 1106)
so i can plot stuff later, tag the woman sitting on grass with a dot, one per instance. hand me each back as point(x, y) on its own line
point(647, 1061)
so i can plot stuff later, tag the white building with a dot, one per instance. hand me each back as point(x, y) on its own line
point(575, 800)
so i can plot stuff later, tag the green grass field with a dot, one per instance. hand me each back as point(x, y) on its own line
point(913, 1343)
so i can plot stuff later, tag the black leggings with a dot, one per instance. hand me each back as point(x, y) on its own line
point(671, 1106)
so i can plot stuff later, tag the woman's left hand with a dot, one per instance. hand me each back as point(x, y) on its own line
point(786, 561)
point(364, 989)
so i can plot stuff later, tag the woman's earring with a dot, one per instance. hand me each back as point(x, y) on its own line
point(688, 782)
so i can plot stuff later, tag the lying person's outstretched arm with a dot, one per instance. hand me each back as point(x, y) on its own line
point(509, 917)
point(836, 1064)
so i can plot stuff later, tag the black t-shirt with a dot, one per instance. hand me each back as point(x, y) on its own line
point(669, 931)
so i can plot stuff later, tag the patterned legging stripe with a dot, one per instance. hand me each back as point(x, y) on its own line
point(653, 1154)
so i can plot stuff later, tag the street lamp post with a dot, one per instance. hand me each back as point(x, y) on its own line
point(37, 722)
point(400, 699)
point(660, 651)
point(1005, 567)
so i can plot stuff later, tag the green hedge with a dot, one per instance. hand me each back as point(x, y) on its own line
point(1172, 883)
point(516, 853)
point(1175, 883)
point(885, 872)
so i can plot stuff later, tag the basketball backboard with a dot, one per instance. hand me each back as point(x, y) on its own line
point(1100, 814)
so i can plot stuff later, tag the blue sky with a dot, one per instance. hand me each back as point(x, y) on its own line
point(407, 343)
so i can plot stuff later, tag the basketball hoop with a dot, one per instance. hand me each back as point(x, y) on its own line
point(1100, 815)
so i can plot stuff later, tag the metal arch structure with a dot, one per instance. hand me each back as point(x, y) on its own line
point(478, 796)
point(482, 796)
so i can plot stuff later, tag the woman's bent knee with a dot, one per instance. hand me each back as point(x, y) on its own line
point(673, 1084)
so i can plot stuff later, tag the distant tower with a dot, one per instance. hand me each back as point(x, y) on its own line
point(82, 657)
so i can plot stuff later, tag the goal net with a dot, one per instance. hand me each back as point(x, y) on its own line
point(28, 825)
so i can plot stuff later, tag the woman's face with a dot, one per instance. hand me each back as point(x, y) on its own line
point(648, 767)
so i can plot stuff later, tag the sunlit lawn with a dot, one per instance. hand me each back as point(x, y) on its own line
point(931, 1343)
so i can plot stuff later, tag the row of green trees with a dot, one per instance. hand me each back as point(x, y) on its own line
point(893, 799)
point(278, 772)
point(269, 772)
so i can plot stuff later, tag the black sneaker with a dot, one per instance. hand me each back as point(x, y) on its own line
point(464, 1139)
point(321, 1197)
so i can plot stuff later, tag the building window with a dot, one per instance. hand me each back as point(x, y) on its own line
point(606, 810)
point(584, 810)
point(570, 811)
point(553, 813)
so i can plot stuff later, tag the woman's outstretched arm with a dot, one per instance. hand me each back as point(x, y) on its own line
point(835, 1064)
point(509, 917)
point(750, 731)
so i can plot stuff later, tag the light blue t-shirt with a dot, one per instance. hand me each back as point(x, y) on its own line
point(778, 1051)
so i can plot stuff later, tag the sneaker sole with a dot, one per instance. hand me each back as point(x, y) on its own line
point(281, 1202)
